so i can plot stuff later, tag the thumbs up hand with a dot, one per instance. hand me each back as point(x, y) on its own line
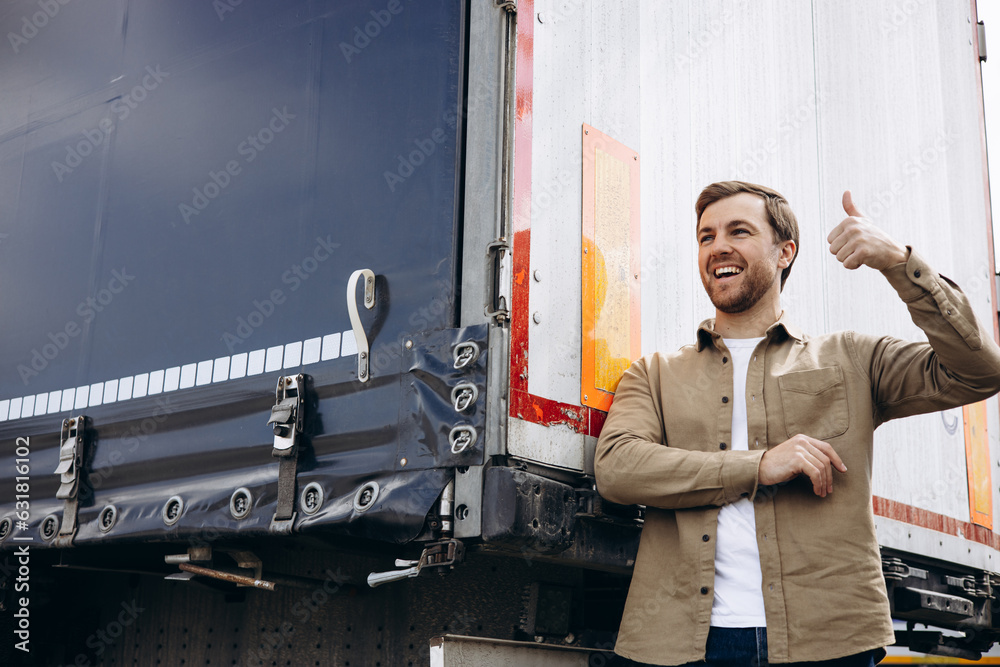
point(857, 241)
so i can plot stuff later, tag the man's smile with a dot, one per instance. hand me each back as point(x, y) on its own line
point(726, 271)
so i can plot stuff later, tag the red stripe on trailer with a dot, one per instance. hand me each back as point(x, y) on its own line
point(521, 218)
point(547, 412)
point(916, 516)
point(523, 404)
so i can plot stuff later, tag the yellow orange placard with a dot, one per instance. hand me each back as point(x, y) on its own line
point(977, 463)
point(610, 253)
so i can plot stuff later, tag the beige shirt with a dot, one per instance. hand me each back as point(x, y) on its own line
point(666, 445)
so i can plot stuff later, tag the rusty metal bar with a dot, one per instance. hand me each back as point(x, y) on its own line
point(227, 576)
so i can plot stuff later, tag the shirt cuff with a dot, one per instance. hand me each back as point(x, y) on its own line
point(911, 279)
point(739, 474)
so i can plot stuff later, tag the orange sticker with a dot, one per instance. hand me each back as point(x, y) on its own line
point(977, 462)
point(610, 259)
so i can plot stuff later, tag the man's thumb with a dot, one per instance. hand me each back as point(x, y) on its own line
point(849, 206)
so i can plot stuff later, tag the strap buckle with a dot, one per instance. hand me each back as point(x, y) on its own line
point(72, 448)
point(287, 417)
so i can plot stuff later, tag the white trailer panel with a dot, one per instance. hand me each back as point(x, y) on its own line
point(809, 98)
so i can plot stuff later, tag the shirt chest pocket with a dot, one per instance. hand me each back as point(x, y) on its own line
point(814, 402)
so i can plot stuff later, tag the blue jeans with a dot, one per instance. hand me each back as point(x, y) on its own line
point(747, 647)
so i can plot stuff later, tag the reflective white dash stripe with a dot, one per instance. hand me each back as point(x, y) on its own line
point(209, 371)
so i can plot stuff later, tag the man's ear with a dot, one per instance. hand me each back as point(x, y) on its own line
point(786, 254)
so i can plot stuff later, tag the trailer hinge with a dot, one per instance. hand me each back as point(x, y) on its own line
point(981, 27)
point(496, 304)
point(286, 420)
point(509, 5)
point(72, 452)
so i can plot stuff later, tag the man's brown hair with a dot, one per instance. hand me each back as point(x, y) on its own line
point(779, 213)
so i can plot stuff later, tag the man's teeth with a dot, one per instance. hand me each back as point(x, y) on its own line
point(725, 270)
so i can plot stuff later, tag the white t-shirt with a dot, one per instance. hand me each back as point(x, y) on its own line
point(739, 602)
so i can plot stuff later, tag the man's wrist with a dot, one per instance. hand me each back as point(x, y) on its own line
point(905, 277)
point(900, 256)
point(740, 470)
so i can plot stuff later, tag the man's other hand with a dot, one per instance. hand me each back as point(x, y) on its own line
point(856, 241)
point(801, 455)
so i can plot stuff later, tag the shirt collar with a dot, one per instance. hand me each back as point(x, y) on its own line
point(707, 335)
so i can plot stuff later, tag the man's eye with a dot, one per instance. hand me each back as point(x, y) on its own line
point(705, 239)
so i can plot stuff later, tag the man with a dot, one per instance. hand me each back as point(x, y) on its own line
point(752, 448)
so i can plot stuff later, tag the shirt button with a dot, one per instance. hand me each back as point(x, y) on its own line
point(771, 587)
point(704, 590)
point(705, 538)
point(725, 399)
point(722, 445)
point(916, 274)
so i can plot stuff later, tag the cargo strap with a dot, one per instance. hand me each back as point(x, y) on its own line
point(287, 471)
point(72, 448)
point(286, 421)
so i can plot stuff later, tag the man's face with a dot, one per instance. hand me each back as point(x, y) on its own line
point(737, 255)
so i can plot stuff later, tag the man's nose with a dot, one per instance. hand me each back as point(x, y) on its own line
point(721, 246)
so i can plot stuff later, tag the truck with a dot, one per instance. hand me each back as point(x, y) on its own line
point(313, 310)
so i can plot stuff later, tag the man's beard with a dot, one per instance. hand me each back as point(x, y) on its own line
point(757, 280)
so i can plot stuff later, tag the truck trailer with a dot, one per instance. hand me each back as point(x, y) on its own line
point(313, 310)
